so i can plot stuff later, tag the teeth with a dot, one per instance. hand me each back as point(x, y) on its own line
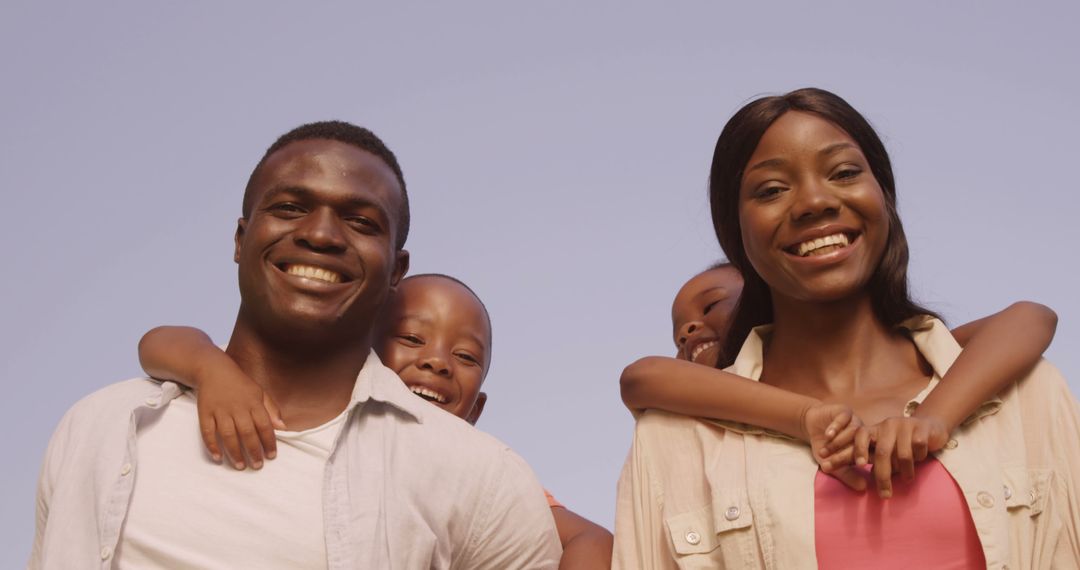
point(701, 348)
point(312, 272)
point(429, 394)
point(805, 248)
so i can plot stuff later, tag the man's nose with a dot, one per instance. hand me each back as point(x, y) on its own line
point(320, 230)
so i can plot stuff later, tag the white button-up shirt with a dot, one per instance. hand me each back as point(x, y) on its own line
point(407, 485)
point(702, 494)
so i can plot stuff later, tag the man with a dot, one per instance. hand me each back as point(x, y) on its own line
point(372, 478)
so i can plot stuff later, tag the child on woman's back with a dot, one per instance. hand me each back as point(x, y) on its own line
point(692, 384)
point(435, 334)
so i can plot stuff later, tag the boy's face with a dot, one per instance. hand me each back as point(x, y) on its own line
point(701, 314)
point(436, 337)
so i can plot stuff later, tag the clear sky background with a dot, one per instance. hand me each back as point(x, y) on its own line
point(556, 155)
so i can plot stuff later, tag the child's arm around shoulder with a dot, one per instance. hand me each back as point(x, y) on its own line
point(230, 403)
point(998, 350)
point(586, 545)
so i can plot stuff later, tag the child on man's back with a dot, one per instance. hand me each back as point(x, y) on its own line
point(435, 334)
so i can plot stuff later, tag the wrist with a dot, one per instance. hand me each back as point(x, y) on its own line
point(801, 432)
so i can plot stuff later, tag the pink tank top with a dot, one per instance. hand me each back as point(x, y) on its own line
point(926, 524)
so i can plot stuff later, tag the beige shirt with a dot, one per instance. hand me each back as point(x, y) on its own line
point(701, 494)
point(406, 485)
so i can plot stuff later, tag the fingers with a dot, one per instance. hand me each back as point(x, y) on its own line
point(264, 430)
point(863, 436)
point(839, 460)
point(883, 451)
point(208, 429)
point(249, 437)
point(274, 411)
point(852, 477)
point(903, 455)
point(838, 423)
point(843, 439)
point(920, 442)
point(231, 440)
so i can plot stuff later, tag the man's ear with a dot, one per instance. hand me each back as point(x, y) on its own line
point(401, 267)
point(477, 409)
point(241, 225)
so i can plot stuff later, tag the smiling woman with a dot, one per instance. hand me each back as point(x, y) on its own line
point(804, 206)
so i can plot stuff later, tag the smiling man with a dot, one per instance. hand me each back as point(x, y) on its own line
point(373, 477)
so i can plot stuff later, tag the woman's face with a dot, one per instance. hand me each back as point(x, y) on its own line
point(813, 217)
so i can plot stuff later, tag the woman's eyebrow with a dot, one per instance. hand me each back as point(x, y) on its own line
point(770, 163)
point(835, 148)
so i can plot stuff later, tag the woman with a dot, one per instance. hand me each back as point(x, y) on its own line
point(804, 205)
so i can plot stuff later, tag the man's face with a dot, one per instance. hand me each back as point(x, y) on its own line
point(317, 252)
point(437, 339)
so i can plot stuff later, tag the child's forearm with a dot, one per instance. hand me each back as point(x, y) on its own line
point(696, 390)
point(175, 353)
point(998, 350)
point(586, 545)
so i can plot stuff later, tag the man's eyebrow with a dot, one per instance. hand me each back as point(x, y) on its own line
point(306, 194)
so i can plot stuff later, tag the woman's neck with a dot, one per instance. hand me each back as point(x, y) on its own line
point(838, 351)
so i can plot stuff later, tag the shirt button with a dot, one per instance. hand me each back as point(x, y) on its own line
point(732, 513)
point(693, 537)
point(951, 444)
point(106, 553)
point(1008, 493)
point(1032, 496)
point(152, 402)
point(125, 469)
point(985, 499)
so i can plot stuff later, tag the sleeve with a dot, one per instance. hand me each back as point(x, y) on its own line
point(552, 501)
point(640, 540)
point(50, 469)
point(1063, 438)
point(513, 527)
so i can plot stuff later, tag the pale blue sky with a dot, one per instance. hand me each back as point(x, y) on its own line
point(556, 155)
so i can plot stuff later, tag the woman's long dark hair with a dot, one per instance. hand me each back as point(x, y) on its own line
point(888, 286)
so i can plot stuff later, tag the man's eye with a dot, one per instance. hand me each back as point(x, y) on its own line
point(362, 223)
point(286, 208)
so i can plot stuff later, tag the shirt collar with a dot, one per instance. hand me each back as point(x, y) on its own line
point(931, 337)
point(379, 383)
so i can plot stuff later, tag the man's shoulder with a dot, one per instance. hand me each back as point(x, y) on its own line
point(111, 402)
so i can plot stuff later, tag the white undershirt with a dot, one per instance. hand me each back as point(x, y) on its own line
point(188, 512)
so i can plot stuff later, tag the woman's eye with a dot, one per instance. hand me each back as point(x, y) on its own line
point(847, 173)
point(769, 192)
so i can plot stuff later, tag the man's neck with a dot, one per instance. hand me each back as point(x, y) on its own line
point(311, 381)
point(837, 351)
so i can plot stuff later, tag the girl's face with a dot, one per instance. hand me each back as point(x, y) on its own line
point(701, 314)
point(813, 217)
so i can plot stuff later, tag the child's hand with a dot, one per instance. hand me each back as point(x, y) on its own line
point(898, 444)
point(231, 405)
point(831, 429)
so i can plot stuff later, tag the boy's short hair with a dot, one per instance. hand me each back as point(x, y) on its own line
point(487, 315)
point(349, 134)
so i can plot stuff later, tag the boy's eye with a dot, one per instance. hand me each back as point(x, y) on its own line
point(468, 358)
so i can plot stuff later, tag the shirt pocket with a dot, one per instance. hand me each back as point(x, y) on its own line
point(717, 535)
point(1033, 533)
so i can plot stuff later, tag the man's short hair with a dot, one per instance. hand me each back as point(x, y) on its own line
point(350, 134)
